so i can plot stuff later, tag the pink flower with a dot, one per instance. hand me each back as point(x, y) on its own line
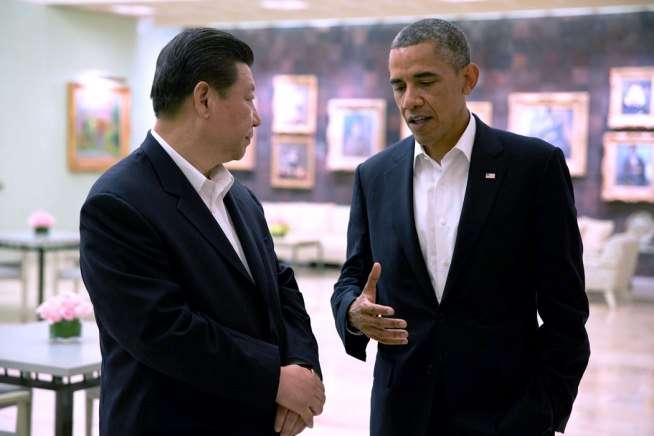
point(40, 218)
point(66, 306)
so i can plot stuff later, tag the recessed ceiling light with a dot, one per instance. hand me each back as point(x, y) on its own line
point(285, 5)
point(137, 10)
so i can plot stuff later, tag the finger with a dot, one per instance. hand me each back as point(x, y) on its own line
point(377, 310)
point(388, 337)
point(370, 290)
point(289, 424)
point(280, 417)
point(385, 323)
point(299, 427)
point(307, 417)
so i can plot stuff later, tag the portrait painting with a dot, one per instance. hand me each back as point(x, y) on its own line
point(98, 125)
point(632, 98)
point(355, 131)
point(560, 119)
point(249, 159)
point(295, 100)
point(628, 167)
point(293, 162)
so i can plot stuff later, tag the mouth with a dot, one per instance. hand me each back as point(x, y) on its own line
point(417, 120)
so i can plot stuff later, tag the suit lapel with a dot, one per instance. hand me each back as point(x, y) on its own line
point(399, 181)
point(486, 174)
point(253, 248)
point(189, 204)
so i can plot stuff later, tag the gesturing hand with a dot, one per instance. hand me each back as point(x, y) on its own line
point(301, 391)
point(369, 318)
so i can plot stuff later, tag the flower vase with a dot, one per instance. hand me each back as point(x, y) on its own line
point(41, 231)
point(66, 330)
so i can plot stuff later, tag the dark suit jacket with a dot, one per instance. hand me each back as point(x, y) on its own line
point(190, 344)
point(480, 352)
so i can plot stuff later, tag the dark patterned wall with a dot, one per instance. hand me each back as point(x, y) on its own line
point(515, 55)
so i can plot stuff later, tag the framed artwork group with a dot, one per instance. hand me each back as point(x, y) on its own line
point(99, 129)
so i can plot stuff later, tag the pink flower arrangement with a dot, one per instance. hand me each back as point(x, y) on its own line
point(40, 219)
point(66, 306)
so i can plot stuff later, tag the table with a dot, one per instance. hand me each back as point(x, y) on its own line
point(29, 358)
point(295, 244)
point(29, 241)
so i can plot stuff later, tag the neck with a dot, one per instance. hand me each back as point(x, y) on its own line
point(182, 138)
point(438, 150)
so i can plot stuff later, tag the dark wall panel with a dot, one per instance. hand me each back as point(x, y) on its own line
point(515, 55)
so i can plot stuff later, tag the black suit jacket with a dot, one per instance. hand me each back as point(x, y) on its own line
point(480, 352)
point(190, 343)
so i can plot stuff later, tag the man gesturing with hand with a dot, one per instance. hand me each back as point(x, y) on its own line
point(476, 231)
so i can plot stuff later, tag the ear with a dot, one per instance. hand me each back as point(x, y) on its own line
point(201, 99)
point(470, 76)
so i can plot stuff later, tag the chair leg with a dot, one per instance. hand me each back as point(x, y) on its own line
point(610, 299)
point(89, 416)
point(24, 417)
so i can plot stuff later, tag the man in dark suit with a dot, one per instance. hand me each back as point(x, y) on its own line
point(202, 330)
point(458, 237)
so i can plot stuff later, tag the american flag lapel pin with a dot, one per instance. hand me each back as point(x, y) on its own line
point(490, 176)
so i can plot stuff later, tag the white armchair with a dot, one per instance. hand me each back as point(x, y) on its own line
point(612, 270)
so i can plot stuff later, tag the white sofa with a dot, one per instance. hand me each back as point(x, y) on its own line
point(611, 272)
point(322, 222)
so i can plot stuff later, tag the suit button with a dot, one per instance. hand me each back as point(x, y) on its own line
point(428, 369)
point(440, 317)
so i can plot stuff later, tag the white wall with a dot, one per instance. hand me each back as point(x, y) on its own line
point(41, 49)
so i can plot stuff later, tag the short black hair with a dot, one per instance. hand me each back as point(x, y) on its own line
point(449, 39)
point(194, 55)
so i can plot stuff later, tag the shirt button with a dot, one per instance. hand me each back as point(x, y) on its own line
point(442, 223)
point(445, 263)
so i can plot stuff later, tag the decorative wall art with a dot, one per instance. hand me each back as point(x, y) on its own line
point(632, 98)
point(295, 101)
point(293, 162)
point(628, 166)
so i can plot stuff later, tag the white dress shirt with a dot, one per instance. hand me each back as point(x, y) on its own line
point(438, 193)
point(212, 191)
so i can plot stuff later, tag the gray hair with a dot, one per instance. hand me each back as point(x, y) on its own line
point(449, 39)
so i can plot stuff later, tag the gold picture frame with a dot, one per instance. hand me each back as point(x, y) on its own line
point(632, 98)
point(356, 131)
point(98, 124)
point(628, 167)
point(295, 103)
point(293, 163)
point(560, 118)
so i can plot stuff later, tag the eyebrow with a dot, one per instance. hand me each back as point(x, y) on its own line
point(420, 75)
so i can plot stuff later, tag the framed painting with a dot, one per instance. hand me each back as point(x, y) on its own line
point(293, 163)
point(560, 118)
point(355, 131)
point(628, 167)
point(632, 97)
point(249, 159)
point(483, 109)
point(98, 125)
point(295, 102)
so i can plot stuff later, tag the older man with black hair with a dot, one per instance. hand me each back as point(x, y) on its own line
point(202, 330)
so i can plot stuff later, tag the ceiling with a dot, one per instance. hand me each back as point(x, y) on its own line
point(293, 12)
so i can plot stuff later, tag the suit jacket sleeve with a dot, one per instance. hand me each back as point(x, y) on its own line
point(300, 346)
point(355, 271)
point(563, 344)
point(140, 304)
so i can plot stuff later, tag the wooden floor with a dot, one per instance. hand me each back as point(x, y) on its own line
point(616, 396)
